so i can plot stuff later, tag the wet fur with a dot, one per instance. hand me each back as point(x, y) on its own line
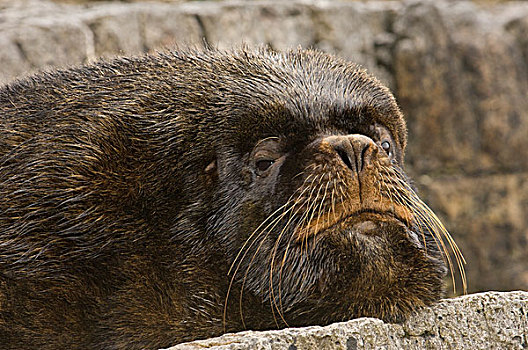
point(129, 209)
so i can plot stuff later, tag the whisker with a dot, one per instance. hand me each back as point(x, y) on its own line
point(256, 235)
point(426, 217)
point(276, 221)
point(274, 252)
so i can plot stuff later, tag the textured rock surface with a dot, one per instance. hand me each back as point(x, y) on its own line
point(479, 321)
point(457, 68)
point(463, 79)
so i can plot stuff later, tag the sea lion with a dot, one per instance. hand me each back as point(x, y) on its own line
point(153, 200)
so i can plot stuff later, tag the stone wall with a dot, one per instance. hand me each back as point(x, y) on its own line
point(458, 69)
point(480, 321)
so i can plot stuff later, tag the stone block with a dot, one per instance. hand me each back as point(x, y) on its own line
point(462, 81)
point(280, 25)
point(116, 30)
point(45, 44)
point(486, 215)
point(166, 26)
point(479, 321)
point(359, 32)
point(14, 64)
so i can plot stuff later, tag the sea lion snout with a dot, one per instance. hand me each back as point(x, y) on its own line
point(356, 151)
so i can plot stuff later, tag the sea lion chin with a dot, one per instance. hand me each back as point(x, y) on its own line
point(159, 199)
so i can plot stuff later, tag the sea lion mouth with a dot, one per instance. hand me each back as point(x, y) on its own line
point(368, 223)
point(358, 220)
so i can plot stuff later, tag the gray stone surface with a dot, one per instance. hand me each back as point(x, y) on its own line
point(278, 24)
point(457, 68)
point(489, 320)
point(489, 214)
point(462, 79)
point(360, 32)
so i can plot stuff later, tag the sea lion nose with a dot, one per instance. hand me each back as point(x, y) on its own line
point(355, 150)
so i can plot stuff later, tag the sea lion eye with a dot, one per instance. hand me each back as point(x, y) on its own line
point(264, 164)
point(386, 147)
point(266, 152)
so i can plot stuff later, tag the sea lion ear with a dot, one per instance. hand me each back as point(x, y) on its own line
point(211, 171)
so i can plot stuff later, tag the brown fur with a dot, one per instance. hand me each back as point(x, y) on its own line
point(133, 193)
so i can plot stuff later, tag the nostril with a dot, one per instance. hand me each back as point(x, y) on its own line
point(363, 156)
point(344, 157)
point(356, 151)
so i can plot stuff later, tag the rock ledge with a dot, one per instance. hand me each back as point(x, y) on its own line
point(490, 320)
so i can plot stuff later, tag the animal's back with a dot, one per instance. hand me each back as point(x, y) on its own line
point(84, 203)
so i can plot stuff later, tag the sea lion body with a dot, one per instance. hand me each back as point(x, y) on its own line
point(159, 199)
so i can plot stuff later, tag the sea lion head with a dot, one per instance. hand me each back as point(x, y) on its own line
point(310, 200)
